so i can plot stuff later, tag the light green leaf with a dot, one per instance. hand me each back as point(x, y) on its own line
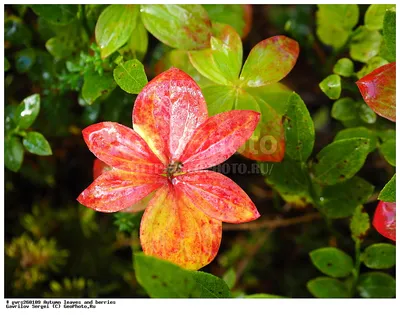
point(230, 278)
point(276, 95)
point(373, 18)
point(182, 26)
point(376, 285)
point(371, 65)
point(331, 86)
point(344, 67)
point(139, 40)
point(96, 85)
point(27, 111)
point(332, 261)
point(36, 143)
point(365, 44)
point(359, 224)
point(335, 22)
point(60, 14)
point(299, 130)
point(219, 98)
point(263, 296)
point(324, 287)
point(389, 32)
point(24, 59)
point(130, 76)
point(115, 26)
point(379, 256)
point(340, 160)
point(358, 132)
point(388, 193)
point(366, 113)
point(344, 109)
point(341, 200)
point(13, 153)
point(388, 150)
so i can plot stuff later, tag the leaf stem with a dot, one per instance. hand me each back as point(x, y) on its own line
point(356, 270)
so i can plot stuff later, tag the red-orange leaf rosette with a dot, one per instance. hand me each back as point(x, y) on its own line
point(385, 219)
point(171, 142)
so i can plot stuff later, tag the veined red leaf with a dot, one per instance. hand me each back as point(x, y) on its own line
point(379, 90)
point(167, 112)
point(121, 147)
point(116, 190)
point(218, 138)
point(179, 232)
point(270, 61)
point(385, 219)
point(216, 195)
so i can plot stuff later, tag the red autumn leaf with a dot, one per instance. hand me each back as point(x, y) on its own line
point(385, 219)
point(379, 90)
point(172, 138)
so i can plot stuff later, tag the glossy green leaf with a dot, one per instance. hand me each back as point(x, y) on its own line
point(115, 26)
point(269, 61)
point(276, 95)
point(27, 111)
point(366, 114)
point(359, 224)
point(389, 32)
point(373, 18)
point(371, 65)
point(341, 200)
point(162, 279)
point(16, 32)
point(182, 26)
point(344, 67)
point(219, 98)
point(335, 22)
point(379, 256)
point(96, 85)
point(344, 109)
point(358, 132)
point(13, 153)
point(324, 287)
point(376, 285)
point(24, 59)
point(9, 118)
point(221, 62)
point(36, 143)
point(130, 76)
point(340, 160)
point(388, 150)
point(139, 40)
point(332, 261)
point(365, 44)
point(299, 130)
point(60, 14)
point(388, 193)
point(331, 86)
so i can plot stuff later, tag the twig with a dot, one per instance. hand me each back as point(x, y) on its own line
point(273, 223)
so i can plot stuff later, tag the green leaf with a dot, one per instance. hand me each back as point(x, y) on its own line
point(324, 287)
point(9, 118)
point(359, 224)
point(341, 200)
point(358, 132)
point(230, 278)
point(366, 114)
point(344, 109)
point(139, 40)
point(332, 261)
point(299, 130)
point(27, 111)
point(182, 26)
point(130, 76)
point(388, 193)
point(344, 67)
point(276, 95)
point(335, 22)
point(115, 26)
point(269, 61)
point(331, 86)
point(16, 32)
point(371, 65)
point(365, 44)
point(389, 32)
point(24, 59)
point(95, 85)
point(36, 143)
point(92, 13)
point(388, 150)
point(59, 47)
point(219, 98)
point(60, 14)
point(13, 153)
point(376, 285)
point(262, 296)
point(373, 18)
point(7, 65)
point(340, 160)
point(162, 279)
point(379, 256)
